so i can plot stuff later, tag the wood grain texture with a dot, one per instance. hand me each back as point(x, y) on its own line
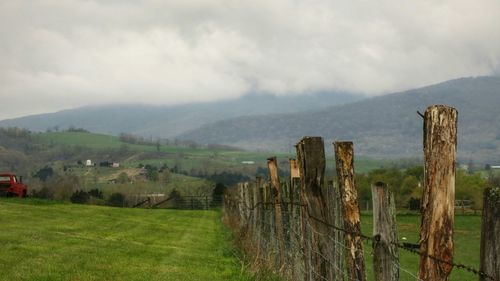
point(344, 160)
point(311, 153)
point(276, 191)
point(436, 234)
point(385, 254)
point(490, 234)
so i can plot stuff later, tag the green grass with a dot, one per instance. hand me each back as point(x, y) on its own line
point(47, 240)
point(467, 236)
point(44, 241)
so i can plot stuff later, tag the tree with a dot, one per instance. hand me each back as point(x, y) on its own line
point(96, 193)
point(116, 200)
point(123, 178)
point(80, 197)
point(218, 192)
point(165, 176)
point(409, 187)
point(470, 187)
point(176, 197)
point(44, 173)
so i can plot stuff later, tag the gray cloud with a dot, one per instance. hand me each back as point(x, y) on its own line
point(59, 54)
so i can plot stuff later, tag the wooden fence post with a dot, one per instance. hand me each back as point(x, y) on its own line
point(344, 160)
point(241, 208)
point(248, 204)
point(335, 211)
point(436, 233)
point(272, 166)
point(297, 265)
point(490, 239)
point(269, 228)
point(261, 212)
point(311, 154)
point(385, 254)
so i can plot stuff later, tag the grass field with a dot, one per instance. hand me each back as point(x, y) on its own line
point(467, 237)
point(44, 241)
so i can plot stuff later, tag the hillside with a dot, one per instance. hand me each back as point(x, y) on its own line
point(169, 121)
point(386, 126)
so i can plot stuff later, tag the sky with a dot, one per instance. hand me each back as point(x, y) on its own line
point(64, 54)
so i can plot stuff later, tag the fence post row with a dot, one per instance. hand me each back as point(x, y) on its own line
point(490, 239)
point(385, 253)
point(344, 162)
point(436, 232)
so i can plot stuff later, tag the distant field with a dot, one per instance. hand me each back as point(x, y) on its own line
point(45, 241)
point(190, 158)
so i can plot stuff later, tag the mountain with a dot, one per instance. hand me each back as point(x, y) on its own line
point(170, 121)
point(385, 126)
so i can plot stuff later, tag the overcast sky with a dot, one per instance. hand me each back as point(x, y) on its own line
point(61, 54)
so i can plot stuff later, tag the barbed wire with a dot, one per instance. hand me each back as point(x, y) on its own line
point(374, 239)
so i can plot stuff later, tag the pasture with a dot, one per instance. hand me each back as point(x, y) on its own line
point(43, 240)
point(208, 160)
point(467, 239)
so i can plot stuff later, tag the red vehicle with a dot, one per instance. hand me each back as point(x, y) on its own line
point(10, 185)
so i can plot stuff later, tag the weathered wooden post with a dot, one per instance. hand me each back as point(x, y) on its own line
point(490, 235)
point(269, 227)
point(297, 265)
point(438, 208)
point(311, 154)
point(261, 227)
point(344, 160)
point(239, 200)
point(272, 166)
point(335, 212)
point(248, 203)
point(385, 254)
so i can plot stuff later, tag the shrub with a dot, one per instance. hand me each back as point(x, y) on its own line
point(43, 193)
point(116, 200)
point(80, 197)
point(96, 193)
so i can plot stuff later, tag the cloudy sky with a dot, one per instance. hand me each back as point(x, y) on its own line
point(61, 54)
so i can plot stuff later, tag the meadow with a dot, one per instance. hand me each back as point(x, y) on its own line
point(44, 240)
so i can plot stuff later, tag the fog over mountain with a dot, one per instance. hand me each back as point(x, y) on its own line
point(386, 126)
point(170, 121)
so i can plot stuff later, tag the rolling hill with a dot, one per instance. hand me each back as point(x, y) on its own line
point(386, 126)
point(170, 121)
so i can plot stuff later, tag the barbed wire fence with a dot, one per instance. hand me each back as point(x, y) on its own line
point(257, 234)
point(306, 230)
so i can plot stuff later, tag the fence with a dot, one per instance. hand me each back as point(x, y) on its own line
point(306, 229)
point(177, 202)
